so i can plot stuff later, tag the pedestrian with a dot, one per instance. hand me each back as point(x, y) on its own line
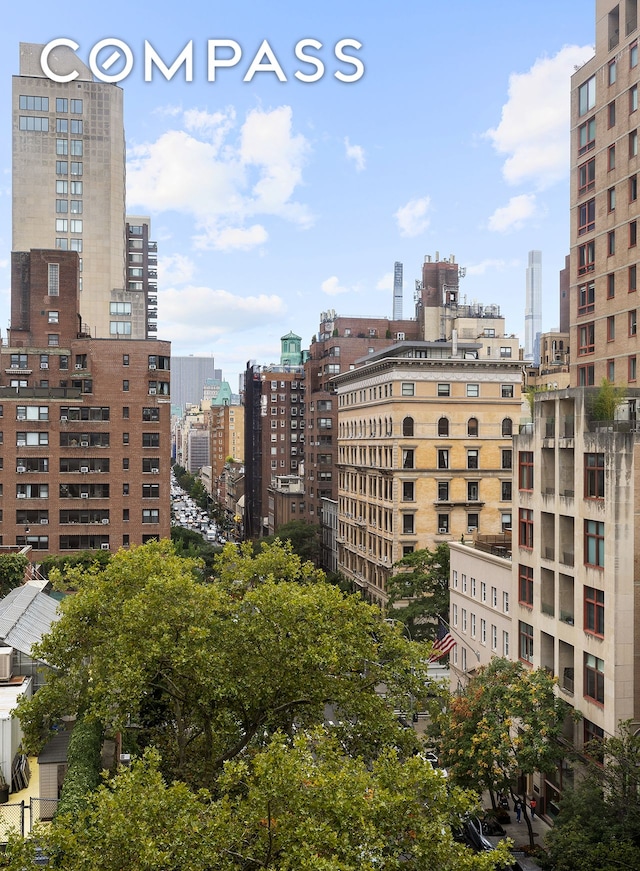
point(517, 806)
point(533, 804)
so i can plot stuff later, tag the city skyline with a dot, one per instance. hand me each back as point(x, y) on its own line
point(272, 201)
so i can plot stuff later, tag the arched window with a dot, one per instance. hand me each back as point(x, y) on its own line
point(443, 427)
point(407, 426)
point(472, 426)
point(507, 427)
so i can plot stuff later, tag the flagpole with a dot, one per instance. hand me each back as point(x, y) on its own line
point(461, 637)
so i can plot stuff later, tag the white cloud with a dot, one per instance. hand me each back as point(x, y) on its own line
point(222, 181)
point(534, 128)
point(491, 265)
point(412, 218)
point(513, 216)
point(199, 314)
point(355, 153)
point(332, 286)
point(4, 264)
point(175, 269)
point(386, 282)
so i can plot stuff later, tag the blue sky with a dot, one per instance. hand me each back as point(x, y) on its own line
point(273, 201)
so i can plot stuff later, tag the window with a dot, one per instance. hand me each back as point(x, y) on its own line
point(408, 524)
point(443, 491)
point(473, 390)
point(525, 460)
point(611, 199)
point(75, 225)
point(62, 167)
point(443, 458)
point(408, 389)
point(76, 107)
point(525, 528)
point(525, 632)
point(506, 391)
point(150, 440)
point(75, 207)
point(62, 206)
point(120, 328)
point(586, 339)
point(586, 298)
point(586, 217)
point(76, 147)
point(632, 367)
point(587, 136)
point(611, 328)
point(444, 390)
point(633, 55)
point(611, 285)
point(76, 126)
point(506, 458)
point(53, 317)
point(34, 104)
point(443, 427)
point(611, 370)
point(119, 308)
point(150, 515)
point(150, 491)
point(473, 489)
point(586, 257)
point(443, 526)
point(594, 543)
point(633, 143)
point(408, 458)
point(125, 386)
point(472, 427)
point(633, 323)
point(587, 176)
point(587, 95)
point(62, 225)
point(586, 376)
point(594, 476)
point(611, 114)
point(593, 737)
point(62, 104)
point(525, 586)
point(611, 75)
point(62, 146)
point(408, 491)
point(473, 458)
point(407, 426)
point(473, 625)
point(632, 278)
point(53, 340)
point(594, 611)
point(633, 233)
point(76, 167)
point(507, 427)
point(633, 98)
point(594, 678)
point(53, 288)
point(505, 491)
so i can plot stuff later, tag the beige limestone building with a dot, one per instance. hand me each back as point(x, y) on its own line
point(424, 453)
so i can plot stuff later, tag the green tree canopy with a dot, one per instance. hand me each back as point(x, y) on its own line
point(12, 570)
point(304, 538)
point(504, 723)
point(208, 671)
point(303, 806)
point(419, 591)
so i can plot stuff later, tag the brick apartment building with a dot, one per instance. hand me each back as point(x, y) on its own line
point(85, 422)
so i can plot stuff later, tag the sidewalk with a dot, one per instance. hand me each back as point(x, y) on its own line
point(519, 834)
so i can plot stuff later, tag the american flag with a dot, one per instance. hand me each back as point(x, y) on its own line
point(444, 642)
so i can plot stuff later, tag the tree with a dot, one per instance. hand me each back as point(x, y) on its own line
point(422, 586)
point(296, 806)
point(241, 567)
point(598, 826)
point(209, 671)
point(304, 538)
point(504, 723)
point(12, 571)
point(607, 400)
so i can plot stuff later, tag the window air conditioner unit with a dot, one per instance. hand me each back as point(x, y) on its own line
point(21, 469)
point(21, 443)
point(63, 417)
point(155, 471)
point(471, 529)
point(44, 365)
point(21, 416)
point(105, 519)
point(21, 495)
point(104, 545)
point(44, 520)
point(442, 530)
point(6, 654)
point(152, 391)
point(84, 469)
point(79, 366)
point(152, 366)
point(84, 495)
point(84, 444)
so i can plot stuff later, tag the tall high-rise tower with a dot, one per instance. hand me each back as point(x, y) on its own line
point(533, 311)
point(69, 184)
point(397, 291)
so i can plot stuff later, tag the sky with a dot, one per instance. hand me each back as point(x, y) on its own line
point(274, 199)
